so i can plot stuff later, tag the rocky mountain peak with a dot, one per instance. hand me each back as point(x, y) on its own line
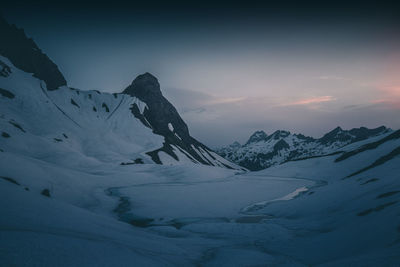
point(26, 55)
point(305, 138)
point(257, 137)
point(353, 135)
point(160, 113)
point(236, 144)
point(283, 146)
point(163, 118)
point(280, 134)
point(331, 136)
point(144, 87)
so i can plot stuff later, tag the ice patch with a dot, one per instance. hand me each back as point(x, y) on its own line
point(263, 204)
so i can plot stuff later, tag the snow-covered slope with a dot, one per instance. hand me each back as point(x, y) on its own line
point(42, 117)
point(338, 210)
point(73, 191)
point(262, 151)
point(351, 216)
point(75, 127)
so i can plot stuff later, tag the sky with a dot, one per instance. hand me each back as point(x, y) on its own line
point(302, 66)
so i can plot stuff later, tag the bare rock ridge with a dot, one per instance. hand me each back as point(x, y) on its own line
point(27, 56)
point(165, 120)
point(160, 111)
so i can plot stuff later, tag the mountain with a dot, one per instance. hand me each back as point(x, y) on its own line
point(162, 117)
point(262, 151)
point(79, 187)
point(27, 56)
point(41, 116)
point(336, 210)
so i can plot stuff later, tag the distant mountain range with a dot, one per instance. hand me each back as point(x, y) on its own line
point(41, 116)
point(262, 150)
point(68, 198)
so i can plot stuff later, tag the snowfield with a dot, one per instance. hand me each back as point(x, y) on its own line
point(154, 215)
point(77, 188)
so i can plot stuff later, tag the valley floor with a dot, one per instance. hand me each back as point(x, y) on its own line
point(154, 215)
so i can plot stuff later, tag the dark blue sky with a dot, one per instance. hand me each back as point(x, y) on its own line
point(304, 66)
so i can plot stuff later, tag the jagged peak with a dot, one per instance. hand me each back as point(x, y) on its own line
point(354, 134)
point(281, 144)
point(280, 134)
point(24, 54)
point(144, 86)
point(304, 137)
point(257, 133)
point(257, 136)
point(337, 129)
point(235, 144)
point(146, 77)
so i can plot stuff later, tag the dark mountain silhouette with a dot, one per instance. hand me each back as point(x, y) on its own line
point(27, 56)
point(164, 119)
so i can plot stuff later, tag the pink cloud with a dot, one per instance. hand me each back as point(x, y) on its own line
point(389, 96)
point(311, 100)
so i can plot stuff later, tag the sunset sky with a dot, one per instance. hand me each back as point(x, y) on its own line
point(232, 70)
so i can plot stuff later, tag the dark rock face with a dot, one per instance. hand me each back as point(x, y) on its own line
point(305, 138)
point(6, 93)
point(104, 105)
point(281, 144)
point(5, 69)
point(257, 137)
point(26, 55)
point(160, 115)
point(160, 111)
point(5, 135)
point(280, 134)
point(353, 135)
point(45, 192)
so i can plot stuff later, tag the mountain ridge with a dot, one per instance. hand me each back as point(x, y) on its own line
point(262, 150)
point(140, 117)
point(164, 119)
point(24, 54)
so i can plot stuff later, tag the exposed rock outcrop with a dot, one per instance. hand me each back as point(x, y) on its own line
point(26, 55)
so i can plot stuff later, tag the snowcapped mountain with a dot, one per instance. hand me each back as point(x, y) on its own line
point(262, 151)
point(42, 117)
point(73, 191)
point(336, 210)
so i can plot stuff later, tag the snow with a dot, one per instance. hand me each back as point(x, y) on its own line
point(192, 209)
point(178, 136)
point(170, 127)
point(101, 213)
point(64, 235)
point(113, 136)
point(167, 159)
point(262, 153)
point(263, 204)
